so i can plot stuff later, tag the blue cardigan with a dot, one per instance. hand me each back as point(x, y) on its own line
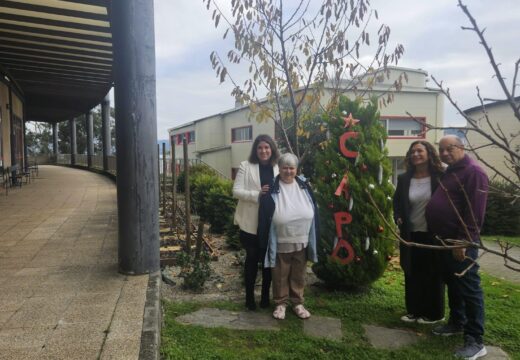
point(266, 231)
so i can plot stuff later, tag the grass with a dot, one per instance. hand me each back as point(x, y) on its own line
point(381, 305)
point(510, 239)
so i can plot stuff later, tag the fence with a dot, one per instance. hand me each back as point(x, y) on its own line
point(97, 162)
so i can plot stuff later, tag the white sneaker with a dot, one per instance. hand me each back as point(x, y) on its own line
point(409, 318)
point(425, 320)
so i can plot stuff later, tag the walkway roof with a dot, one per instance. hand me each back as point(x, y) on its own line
point(58, 54)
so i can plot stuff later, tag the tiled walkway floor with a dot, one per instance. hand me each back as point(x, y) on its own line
point(61, 296)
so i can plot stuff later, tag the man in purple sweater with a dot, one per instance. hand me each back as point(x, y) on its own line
point(456, 211)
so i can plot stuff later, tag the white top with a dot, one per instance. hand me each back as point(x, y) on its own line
point(293, 215)
point(419, 194)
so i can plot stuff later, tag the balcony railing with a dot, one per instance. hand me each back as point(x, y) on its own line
point(97, 162)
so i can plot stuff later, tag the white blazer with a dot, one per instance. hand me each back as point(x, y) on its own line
point(246, 189)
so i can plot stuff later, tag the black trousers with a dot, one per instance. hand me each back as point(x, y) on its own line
point(254, 256)
point(424, 286)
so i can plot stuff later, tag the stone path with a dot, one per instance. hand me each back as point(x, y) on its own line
point(331, 328)
point(61, 296)
point(316, 326)
point(494, 265)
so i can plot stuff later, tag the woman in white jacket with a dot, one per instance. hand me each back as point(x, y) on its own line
point(251, 182)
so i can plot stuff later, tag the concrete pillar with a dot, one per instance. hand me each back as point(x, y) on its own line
point(55, 149)
point(73, 142)
point(89, 126)
point(136, 135)
point(105, 131)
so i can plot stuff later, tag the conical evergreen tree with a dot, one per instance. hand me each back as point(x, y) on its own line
point(341, 178)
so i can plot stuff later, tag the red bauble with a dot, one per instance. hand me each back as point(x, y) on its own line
point(331, 206)
point(380, 229)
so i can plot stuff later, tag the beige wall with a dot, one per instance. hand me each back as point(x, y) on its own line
point(219, 160)
point(498, 114)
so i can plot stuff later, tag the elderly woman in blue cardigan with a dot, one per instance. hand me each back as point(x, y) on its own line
point(288, 225)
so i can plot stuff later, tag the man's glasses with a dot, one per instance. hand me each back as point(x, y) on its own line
point(450, 148)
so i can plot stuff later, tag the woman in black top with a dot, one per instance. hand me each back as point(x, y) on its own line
point(424, 289)
point(251, 182)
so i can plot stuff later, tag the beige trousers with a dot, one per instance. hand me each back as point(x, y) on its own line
point(289, 277)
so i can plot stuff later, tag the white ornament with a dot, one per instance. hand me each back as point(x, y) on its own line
point(371, 186)
point(388, 198)
point(334, 175)
point(367, 243)
point(380, 174)
point(375, 252)
point(335, 241)
point(350, 203)
point(344, 112)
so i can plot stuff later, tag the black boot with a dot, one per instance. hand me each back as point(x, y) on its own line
point(266, 285)
point(250, 270)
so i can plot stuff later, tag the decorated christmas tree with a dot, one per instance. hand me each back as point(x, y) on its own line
point(355, 246)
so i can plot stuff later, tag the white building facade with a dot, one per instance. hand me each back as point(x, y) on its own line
point(224, 140)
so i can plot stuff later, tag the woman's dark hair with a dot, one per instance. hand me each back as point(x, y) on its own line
point(253, 157)
point(434, 162)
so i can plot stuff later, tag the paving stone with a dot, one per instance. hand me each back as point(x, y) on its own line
point(323, 327)
point(210, 318)
point(496, 353)
point(385, 338)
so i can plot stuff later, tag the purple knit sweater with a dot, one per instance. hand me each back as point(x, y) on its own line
point(441, 215)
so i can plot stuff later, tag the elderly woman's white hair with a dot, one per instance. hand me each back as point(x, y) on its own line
point(288, 159)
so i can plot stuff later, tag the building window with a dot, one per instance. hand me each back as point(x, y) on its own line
point(404, 127)
point(191, 136)
point(242, 134)
point(178, 139)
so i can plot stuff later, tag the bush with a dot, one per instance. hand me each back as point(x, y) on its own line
point(195, 170)
point(502, 215)
point(370, 242)
point(212, 199)
point(194, 271)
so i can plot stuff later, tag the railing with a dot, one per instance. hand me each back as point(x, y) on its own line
point(97, 162)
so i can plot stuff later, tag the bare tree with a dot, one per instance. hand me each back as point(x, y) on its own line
point(292, 52)
point(490, 130)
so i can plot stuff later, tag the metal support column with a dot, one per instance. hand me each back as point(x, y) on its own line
point(89, 126)
point(73, 142)
point(136, 136)
point(105, 131)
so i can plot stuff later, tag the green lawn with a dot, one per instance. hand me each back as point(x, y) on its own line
point(382, 305)
point(510, 239)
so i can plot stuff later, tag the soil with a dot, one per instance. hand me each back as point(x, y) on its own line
point(225, 282)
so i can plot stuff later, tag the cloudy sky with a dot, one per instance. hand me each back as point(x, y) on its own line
point(187, 87)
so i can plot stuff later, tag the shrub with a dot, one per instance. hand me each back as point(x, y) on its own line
point(195, 170)
point(194, 271)
point(502, 214)
point(212, 199)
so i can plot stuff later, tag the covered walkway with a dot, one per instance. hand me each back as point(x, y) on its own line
point(61, 296)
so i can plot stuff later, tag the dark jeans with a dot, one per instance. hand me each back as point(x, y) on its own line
point(424, 288)
point(254, 255)
point(465, 295)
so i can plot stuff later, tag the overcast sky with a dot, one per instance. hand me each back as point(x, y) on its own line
point(188, 89)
